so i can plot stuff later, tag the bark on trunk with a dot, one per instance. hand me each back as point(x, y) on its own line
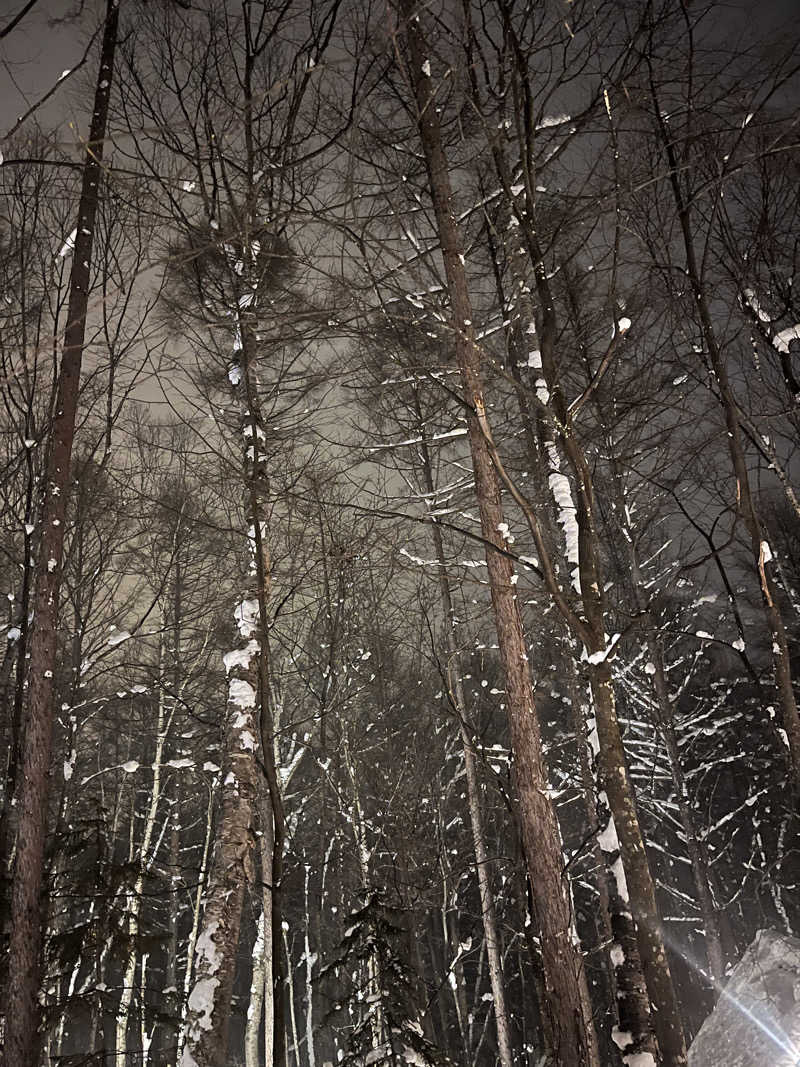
point(188, 978)
point(134, 902)
point(650, 984)
point(33, 784)
point(568, 1001)
point(482, 862)
point(232, 869)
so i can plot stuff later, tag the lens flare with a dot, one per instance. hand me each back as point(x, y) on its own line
point(753, 1013)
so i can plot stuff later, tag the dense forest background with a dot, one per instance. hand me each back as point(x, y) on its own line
point(399, 410)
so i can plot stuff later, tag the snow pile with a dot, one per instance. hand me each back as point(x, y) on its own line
point(757, 1018)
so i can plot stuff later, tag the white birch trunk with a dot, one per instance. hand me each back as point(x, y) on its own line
point(188, 977)
point(134, 900)
point(292, 1012)
point(309, 962)
point(255, 1009)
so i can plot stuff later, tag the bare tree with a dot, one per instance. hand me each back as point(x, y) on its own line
point(26, 933)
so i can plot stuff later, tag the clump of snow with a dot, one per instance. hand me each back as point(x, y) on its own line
point(69, 245)
point(206, 950)
point(240, 657)
point(552, 120)
point(201, 1001)
point(69, 765)
point(246, 615)
point(782, 340)
point(597, 658)
point(119, 637)
point(241, 693)
point(621, 1038)
point(567, 512)
point(617, 955)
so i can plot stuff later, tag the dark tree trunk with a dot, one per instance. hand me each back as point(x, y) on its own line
point(567, 997)
point(746, 506)
point(33, 786)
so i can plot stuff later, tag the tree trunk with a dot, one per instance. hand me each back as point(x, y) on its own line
point(569, 1010)
point(232, 868)
point(33, 789)
point(482, 862)
point(194, 932)
point(260, 1011)
point(134, 902)
point(643, 976)
point(746, 507)
point(310, 960)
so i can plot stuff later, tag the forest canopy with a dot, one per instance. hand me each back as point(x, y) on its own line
point(399, 530)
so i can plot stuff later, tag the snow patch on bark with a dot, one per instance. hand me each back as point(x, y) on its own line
point(206, 950)
point(246, 615)
point(782, 340)
point(241, 693)
point(201, 1003)
point(240, 657)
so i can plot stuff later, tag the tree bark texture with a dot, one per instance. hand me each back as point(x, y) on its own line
point(482, 862)
point(25, 944)
point(232, 868)
point(565, 982)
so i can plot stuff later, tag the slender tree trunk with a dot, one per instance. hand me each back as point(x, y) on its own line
point(643, 976)
point(33, 786)
point(603, 877)
point(168, 1044)
point(260, 1011)
point(746, 507)
point(16, 655)
point(631, 1008)
point(134, 901)
point(450, 945)
point(255, 1007)
point(482, 861)
point(309, 967)
point(568, 1000)
point(194, 932)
